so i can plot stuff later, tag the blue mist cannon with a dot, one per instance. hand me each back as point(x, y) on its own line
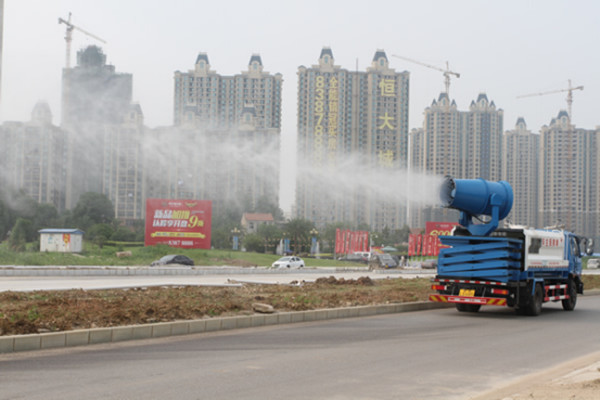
point(474, 197)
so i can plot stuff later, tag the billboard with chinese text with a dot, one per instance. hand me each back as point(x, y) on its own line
point(178, 223)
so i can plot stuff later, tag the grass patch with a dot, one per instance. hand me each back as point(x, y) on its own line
point(92, 254)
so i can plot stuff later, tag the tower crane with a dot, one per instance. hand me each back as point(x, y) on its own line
point(69, 37)
point(446, 71)
point(570, 157)
point(570, 90)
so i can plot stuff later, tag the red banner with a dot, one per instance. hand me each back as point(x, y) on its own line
point(339, 246)
point(411, 245)
point(438, 246)
point(178, 223)
point(439, 229)
point(348, 242)
point(419, 242)
point(431, 240)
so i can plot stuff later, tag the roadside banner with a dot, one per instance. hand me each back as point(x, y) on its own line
point(411, 245)
point(339, 249)
point(347, 241)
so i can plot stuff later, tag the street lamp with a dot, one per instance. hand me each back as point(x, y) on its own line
point(235, 232)
point(313, 244)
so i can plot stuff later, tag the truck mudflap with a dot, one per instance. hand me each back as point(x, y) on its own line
point(482, 301)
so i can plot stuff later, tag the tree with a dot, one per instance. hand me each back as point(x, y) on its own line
point(253, 242)
point(92, 208)
point(270, 234)
point(19, 233)
point(298, 230)
point(5, 220)
point(100, 233)
point(46, 216)
point(123, 234)
point(264, 205)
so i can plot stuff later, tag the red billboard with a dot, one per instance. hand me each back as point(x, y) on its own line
point(439, 228)
point(178, 223)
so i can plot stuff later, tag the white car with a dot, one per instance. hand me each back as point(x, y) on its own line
point(289, 262)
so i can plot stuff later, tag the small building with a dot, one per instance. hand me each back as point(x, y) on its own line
point(61, 240)
point(251, 222)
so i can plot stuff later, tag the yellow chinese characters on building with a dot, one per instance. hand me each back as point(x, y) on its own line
point(387, 122)
point(386, 158)
point(332, 118)
point(319, 120)
point(387, 87)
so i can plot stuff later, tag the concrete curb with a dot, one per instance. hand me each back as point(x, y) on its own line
point(82, 337)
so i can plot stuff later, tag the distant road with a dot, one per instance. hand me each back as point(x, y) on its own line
point(50, 278)
point(74, 278)
point(437, 354)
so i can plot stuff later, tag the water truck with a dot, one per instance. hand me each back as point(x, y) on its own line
point(482, 264)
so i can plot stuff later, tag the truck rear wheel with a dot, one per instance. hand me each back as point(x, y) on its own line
point(467, 307)
point(534, 308)
point(569, 304)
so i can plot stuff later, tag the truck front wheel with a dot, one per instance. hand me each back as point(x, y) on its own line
point(569, 304)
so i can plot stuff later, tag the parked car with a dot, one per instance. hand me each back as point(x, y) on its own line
point(173, 259)
point(289, 262)
point(382, 261)
point(593, 263)
point(429, 264)
point(356, 257)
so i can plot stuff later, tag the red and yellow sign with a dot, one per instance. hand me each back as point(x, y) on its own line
point(178, 223)
point(439, 228)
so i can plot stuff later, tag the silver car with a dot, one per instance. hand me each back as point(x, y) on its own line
point(289, 262)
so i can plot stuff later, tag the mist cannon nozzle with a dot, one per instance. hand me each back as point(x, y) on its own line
point(473, 197)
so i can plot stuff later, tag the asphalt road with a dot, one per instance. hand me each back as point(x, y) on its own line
point(29, 283)
point(438, 354)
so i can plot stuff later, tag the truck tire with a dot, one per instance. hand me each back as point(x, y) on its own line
point(534, 308)
point(569, 304)
point(467, 307)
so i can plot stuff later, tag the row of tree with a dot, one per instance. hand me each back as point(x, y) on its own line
point(21, 218)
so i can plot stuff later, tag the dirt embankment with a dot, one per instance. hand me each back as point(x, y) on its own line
point(52, 311)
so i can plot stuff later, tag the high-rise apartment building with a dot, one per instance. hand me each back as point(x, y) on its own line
point(482, 140)
point(238, 166)
point(569, 172)
point(204, 99)
point(226, 137)
point(124, 171)
point(93, 97)
point(32, 157)
point(521, 151)
point(442, 139)
point(350, 123)
point(461, 144)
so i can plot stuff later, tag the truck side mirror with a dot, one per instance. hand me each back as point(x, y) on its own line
point(589, 246)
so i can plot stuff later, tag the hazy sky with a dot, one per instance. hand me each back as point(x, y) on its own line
point(503, 48)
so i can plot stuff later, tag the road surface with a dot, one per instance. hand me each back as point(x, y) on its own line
point(437, 354)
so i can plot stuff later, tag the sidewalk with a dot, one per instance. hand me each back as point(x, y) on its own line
point(577, 379)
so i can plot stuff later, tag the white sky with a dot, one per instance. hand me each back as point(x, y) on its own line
point(503, 48)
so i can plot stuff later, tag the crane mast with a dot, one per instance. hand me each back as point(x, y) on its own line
point(69, 37)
